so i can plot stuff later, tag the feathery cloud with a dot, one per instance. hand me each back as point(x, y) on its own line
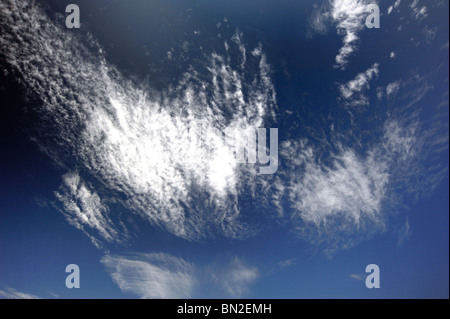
point(161, 154)
point(11, 293)
point(159, 275)
point(349, 16)
point(236, 278)
point(84, 210)
point(152, 276)
point(353, 92)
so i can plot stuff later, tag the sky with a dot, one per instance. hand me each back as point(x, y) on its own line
point(120, 147)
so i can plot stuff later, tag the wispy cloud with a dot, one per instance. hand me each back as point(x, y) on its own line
point(357, 276)
point(159, 275)
point(152, 276)
point(319, 19)
point(394, 6)
point(336, 195)
point(349, 15)
point(286, 263)
point(392, 88)
point(235, 278)
point(335, 202)
point(419, 12)
point(353, 92)
point(84, 209)
point(349, 18)
point(429, 34)
point(11, 293)
point(161, 153)
point(404, 233)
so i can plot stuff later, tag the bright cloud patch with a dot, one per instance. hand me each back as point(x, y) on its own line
point(336, 200)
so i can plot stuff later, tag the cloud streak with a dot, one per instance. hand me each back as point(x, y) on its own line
point(11, 293)
point(152, 276)
point(163, 276)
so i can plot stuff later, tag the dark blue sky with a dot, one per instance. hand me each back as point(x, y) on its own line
point(94, 126)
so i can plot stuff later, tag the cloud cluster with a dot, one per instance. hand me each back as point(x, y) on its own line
point(162, 153)
point(162, 156)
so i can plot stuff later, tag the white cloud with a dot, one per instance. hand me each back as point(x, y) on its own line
point(429, 33)
point(286, 263)
point(84, 209)
point(236, 278)
point(392, 88)
point(159, 275)
point(405, 233)
point(380, 92)
point(319, 19)
point(353, 91)
point(152, 276)
point(345, 195)
point(418, 12)
point(392, 55)
point(336, 198)
point(394, 6)
point(349, 15)
point(161, 153)
point(400, 140)
point(357, 276)
point(11, 293)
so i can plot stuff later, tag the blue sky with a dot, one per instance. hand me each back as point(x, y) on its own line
point(113, 157)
